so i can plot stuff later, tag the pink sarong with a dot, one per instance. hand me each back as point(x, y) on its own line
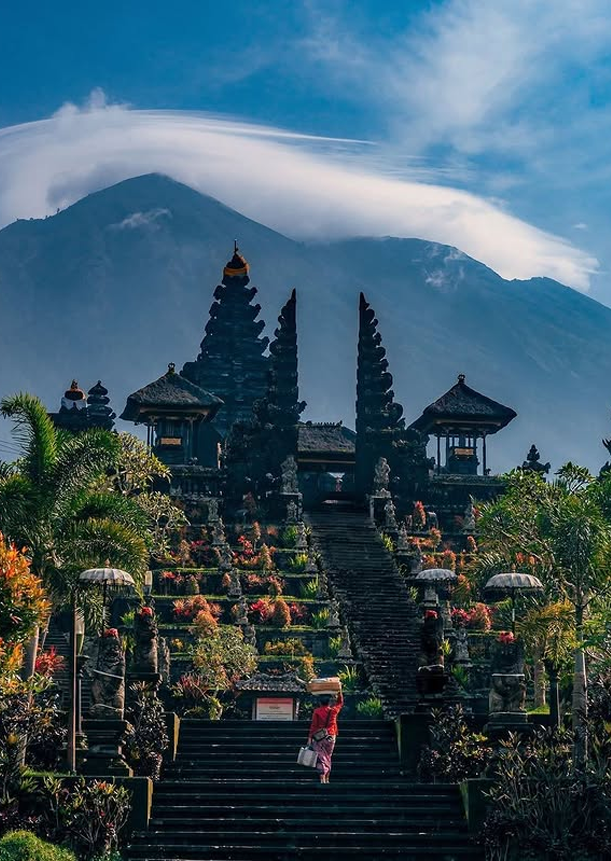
point(324, 749)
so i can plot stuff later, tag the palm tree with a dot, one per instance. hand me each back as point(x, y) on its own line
point(50, 503)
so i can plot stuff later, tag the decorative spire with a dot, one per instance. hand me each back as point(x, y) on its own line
point(99, 412)
point(231, 362)
point(533, 462)
point(74, 397)
point(380, 426)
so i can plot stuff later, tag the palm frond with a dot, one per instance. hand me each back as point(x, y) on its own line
point(91, 542)
point(81, 460)
point(110, 506)
point(34, 431)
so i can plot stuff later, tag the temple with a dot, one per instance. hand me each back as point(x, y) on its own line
point(79, 411)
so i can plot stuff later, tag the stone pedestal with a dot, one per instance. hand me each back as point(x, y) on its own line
point(105, 754)
point(506, 704)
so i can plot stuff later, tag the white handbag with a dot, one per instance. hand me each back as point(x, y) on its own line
point(307, 757)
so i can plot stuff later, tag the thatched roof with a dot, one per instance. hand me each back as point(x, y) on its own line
point(171, 392)
point(325, 438)
point(287, 683)
point(463, 405)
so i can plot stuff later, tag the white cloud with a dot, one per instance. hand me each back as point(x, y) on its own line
point(305, 187)
point(141, 219)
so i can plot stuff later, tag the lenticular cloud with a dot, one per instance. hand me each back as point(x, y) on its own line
point(305, 187)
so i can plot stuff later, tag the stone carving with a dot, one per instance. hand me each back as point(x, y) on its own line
point(213, 511)
point(345, 652)
point(322, 586)
point(403, 545)
point(301, 542)
point(108, 686)
point(225, 559)
point(417, 560)
point(145, 642)
point(333, 620)
point(163, 659)
point(290, 483)
point(431, 639)
point(235, 587)
point(507, 694)
point(468, 524)
point(381, 478)
point(461, 647)
point(250, 635)
point(292, 512)
point(218, 533)
point(507, 655)
point(241, 611)
point(390, 516)
point(533, 462)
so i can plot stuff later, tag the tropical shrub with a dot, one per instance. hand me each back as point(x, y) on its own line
point(222, 658)
point(26, 846)
point(298, 562)
point(320, 619)
point(455, 752)
point(289, 537)
point(90, 814)
point(23, 605)
point(334, 646)
point(544, 806)
point(260, 611)
point(291, 646)
point(350, 678)
point(186, 609)
point(49, 663)
point(371, 708)
point(281, 614)
point(146, 738)
point(300, 613)
point(309, 590)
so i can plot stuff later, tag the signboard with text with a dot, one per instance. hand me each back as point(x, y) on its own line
point(274, 708)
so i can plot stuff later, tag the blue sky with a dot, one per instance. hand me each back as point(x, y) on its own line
point(491, 117)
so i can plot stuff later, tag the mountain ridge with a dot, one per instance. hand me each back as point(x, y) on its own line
point(120, 283)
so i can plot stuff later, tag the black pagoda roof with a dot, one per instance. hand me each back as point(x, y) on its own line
point(171, 392)
point(461, 406)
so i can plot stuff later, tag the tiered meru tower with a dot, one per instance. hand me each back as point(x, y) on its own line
point(231, 362)
point(380, 426)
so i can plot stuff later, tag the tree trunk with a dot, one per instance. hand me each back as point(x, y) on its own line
point(538, 679)
point(30, 653)
point(580, 695)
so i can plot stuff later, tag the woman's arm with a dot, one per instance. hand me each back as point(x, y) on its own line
point(340, 700)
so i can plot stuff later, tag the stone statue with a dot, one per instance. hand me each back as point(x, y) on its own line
point(345, 652)
point(403, 545)
point(163, 660)
point(145, 641)
point(507, 694)
point(461, 647)
point(225, 559)
point(417, 560)
point(213, 511)
point(390, 516)
point(333, 620)
point(507, 655)
point(292, 512)
point(321, 586)
point(218, 533)
point(301, 543)
point(290, 483)
point(241, 611)
point(235, 587)
point(468, 524)
point(108, 686)
point(431, 639)
point(381, 478)
point(250, 635)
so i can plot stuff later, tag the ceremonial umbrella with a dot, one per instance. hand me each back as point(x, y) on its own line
point(510, 583)
point(432, 578)
point(107, 577)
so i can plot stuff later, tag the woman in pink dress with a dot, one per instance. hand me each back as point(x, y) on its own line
point(323, 732)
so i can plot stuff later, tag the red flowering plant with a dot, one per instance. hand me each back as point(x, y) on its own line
point(448, 559)
point(145, 611)
point(261, 611)
point(300, 613)
point(480, 617)
point(202, 554)
point(186, 609)
point(48, 663)
point(419, 517)
point(471, 544)
point(254, 583)
point(111, 632)
point(430, 614)
point(460, 618)
point(506, 638)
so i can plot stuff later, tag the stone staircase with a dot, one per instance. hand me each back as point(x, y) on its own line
point(236, 792)
point(375, 602)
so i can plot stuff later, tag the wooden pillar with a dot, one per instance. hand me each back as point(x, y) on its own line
point(485, 460)
point(438, 454)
